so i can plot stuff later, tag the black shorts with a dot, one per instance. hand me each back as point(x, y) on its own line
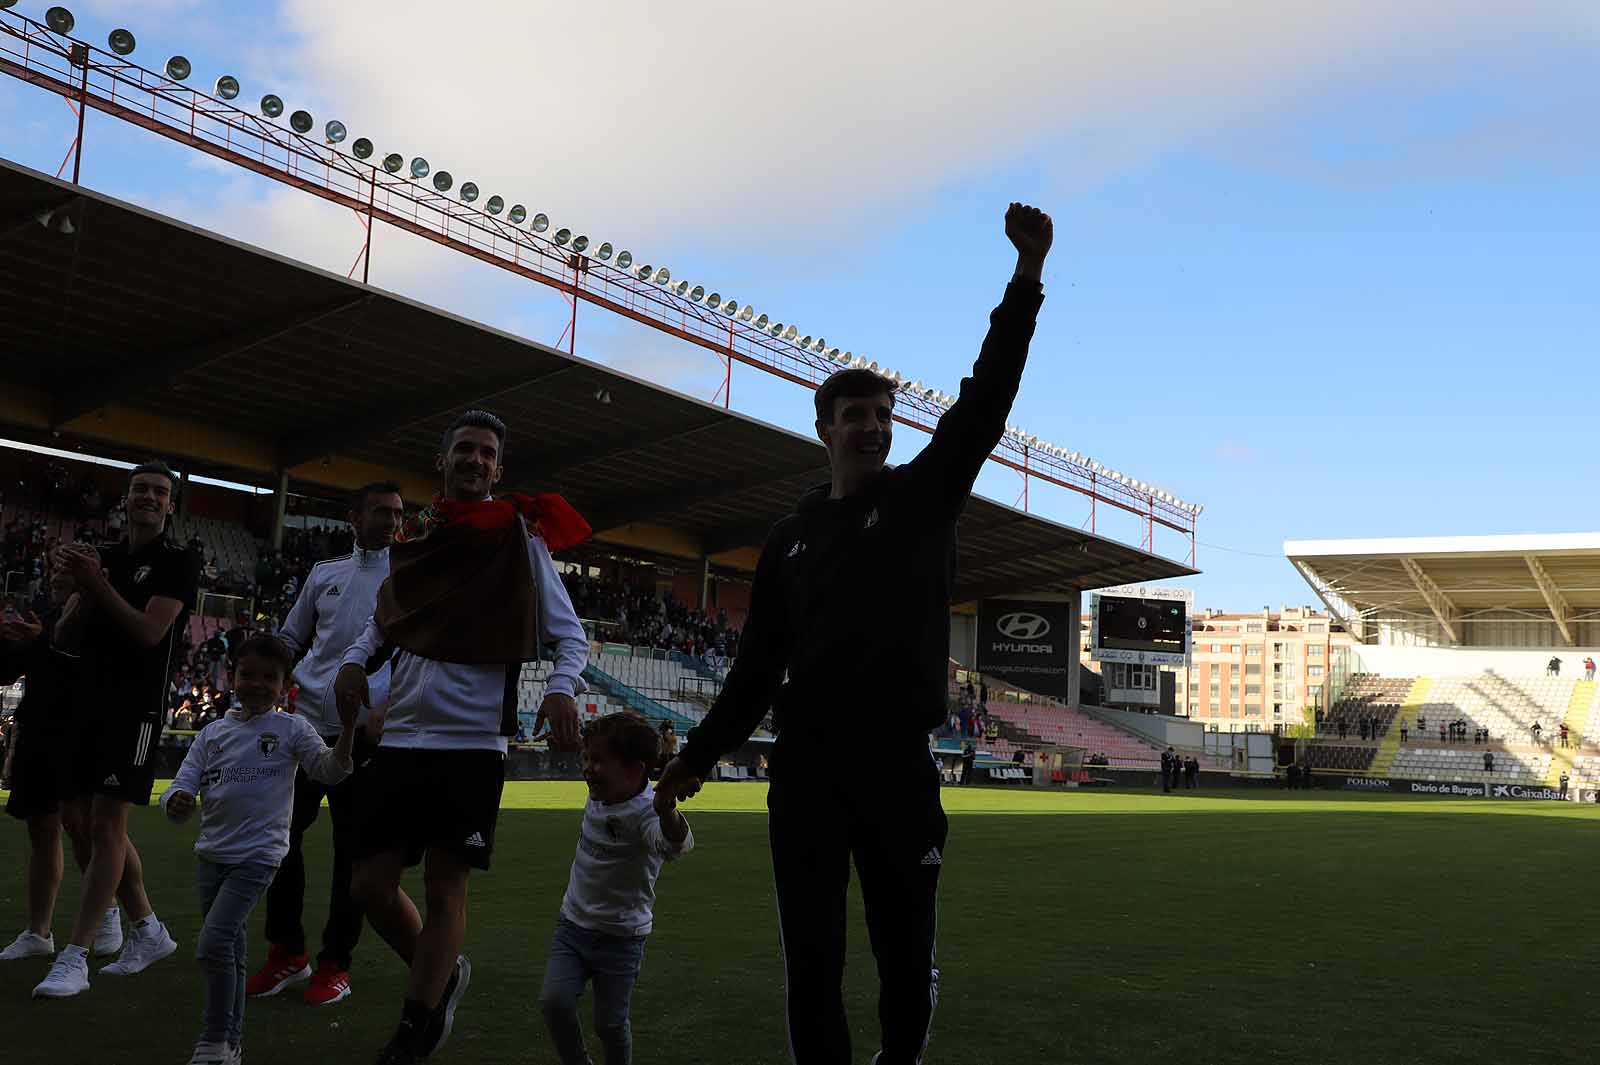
point(42, 773)
point(413, 799)
point(118, 758)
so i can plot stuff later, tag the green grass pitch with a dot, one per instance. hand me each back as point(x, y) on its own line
point(1073, 927)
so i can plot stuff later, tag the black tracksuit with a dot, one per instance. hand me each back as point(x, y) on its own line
point(852, 602)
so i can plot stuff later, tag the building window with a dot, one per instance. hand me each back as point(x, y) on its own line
point(1252, 689)
point(1233, 649)
point(1277, 691)
point(1314, 650)
point(1277, 650)
point(1253, 710)
point(1289, 670)
point(1252, 669)
point(1216, 648)
point(1313, 671)
point(1253, 651)
point(1256, 626)
point(1317, 626)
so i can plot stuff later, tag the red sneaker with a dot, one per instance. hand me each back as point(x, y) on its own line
point(329, 984)
point(281, 970)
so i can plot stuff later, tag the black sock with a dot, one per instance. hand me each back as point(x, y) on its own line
point(414, 1018)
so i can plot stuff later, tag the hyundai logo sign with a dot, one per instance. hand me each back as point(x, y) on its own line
point(1023, 625)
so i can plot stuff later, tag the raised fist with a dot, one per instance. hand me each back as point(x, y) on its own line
point(1030, 231)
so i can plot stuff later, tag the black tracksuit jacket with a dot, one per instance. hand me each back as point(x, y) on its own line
point(850, 612)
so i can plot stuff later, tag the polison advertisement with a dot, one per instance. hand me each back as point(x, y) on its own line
point(1032, 644)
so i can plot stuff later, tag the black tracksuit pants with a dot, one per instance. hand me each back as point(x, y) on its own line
point(286, 898)
point(892, 825)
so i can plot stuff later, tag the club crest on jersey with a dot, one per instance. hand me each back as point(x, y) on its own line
point(140, 574)
point(267, 744)
point(418, 527)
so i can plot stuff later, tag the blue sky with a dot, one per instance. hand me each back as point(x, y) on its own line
point(1329, 273)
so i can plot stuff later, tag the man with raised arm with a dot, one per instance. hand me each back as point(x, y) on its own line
point(852, 604)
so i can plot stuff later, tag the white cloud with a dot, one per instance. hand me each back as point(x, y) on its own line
point(795, 124)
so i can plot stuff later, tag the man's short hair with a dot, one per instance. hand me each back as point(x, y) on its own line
point(855, 384)
point(627, 734)
point(155, 466)
point(475, 419)
point(269, 648)
point(363, 495)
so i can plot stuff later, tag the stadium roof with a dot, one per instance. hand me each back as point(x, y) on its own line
point(135, 333)
point(1455, 586)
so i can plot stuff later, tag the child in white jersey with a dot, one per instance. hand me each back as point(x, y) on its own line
point(242, 767)
point(606, 913)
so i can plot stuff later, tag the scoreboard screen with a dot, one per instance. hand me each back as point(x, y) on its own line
point(1155, 628)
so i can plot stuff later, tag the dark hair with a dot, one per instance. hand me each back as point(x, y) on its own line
point(155, 466)
point(855, 384)
point(628, 735)
point(265, 647)
point(361, 496)
point(475, 419)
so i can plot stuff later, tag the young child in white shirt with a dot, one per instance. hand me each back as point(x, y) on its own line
point(242, 768)
point(606, 913)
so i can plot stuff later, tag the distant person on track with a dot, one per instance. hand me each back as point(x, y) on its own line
point(608, 910)
point(139, 592)
point(851, 600)
point(1167, 758)
point(471, 595)
point(242, 768)
point(339, 596)
point(1564, 781)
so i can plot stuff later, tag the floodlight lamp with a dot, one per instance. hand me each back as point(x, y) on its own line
point(562, 236)
point(580, 243)
point(121, 41)
point(681, 288)
point(790, 333)
point(643, 272)
point(60, 20)
point(858, 363)
point(763, 322)
point(730, 308)
point(915, 388)
point(624, 259)
point(271, 106)
point(179, 68)
point(301, 122)
point(469, 192)
point(748, 313)
point(805, 342)
point(419, 167)
point(392, 163)
point(663, 275)
point(714, 300)
point(872, 366)
point(227, 87)
point(541, 222)
point(833, 353)
point(335, 132)
point(517, 213)
point(697, 293)
point(495, 205)
point(776, 329)
point(442, 181)
point(604, 251)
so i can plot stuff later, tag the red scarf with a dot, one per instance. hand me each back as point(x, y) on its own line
point(548, 516)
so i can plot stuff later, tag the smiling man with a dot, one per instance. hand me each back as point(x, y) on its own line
point(470, 596)
point(852, 602)
point(138, 594)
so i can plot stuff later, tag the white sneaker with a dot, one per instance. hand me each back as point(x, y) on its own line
point(211, 1054)
point(29, 945)
point(140, 951)
point(108, 940)
point(69, 975)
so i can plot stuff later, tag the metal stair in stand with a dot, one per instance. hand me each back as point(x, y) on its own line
point(1578, 708)
point(1389, 743)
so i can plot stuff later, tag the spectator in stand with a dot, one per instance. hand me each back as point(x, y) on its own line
point(1488, 761)
point(669, 744)
point(1563, 785)
point(1442, 732)
point(1554, 668)
point(1537, 730)
point(1403, 730)
point(1563, 733)
point(1344, 728)
point(1588, 668)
